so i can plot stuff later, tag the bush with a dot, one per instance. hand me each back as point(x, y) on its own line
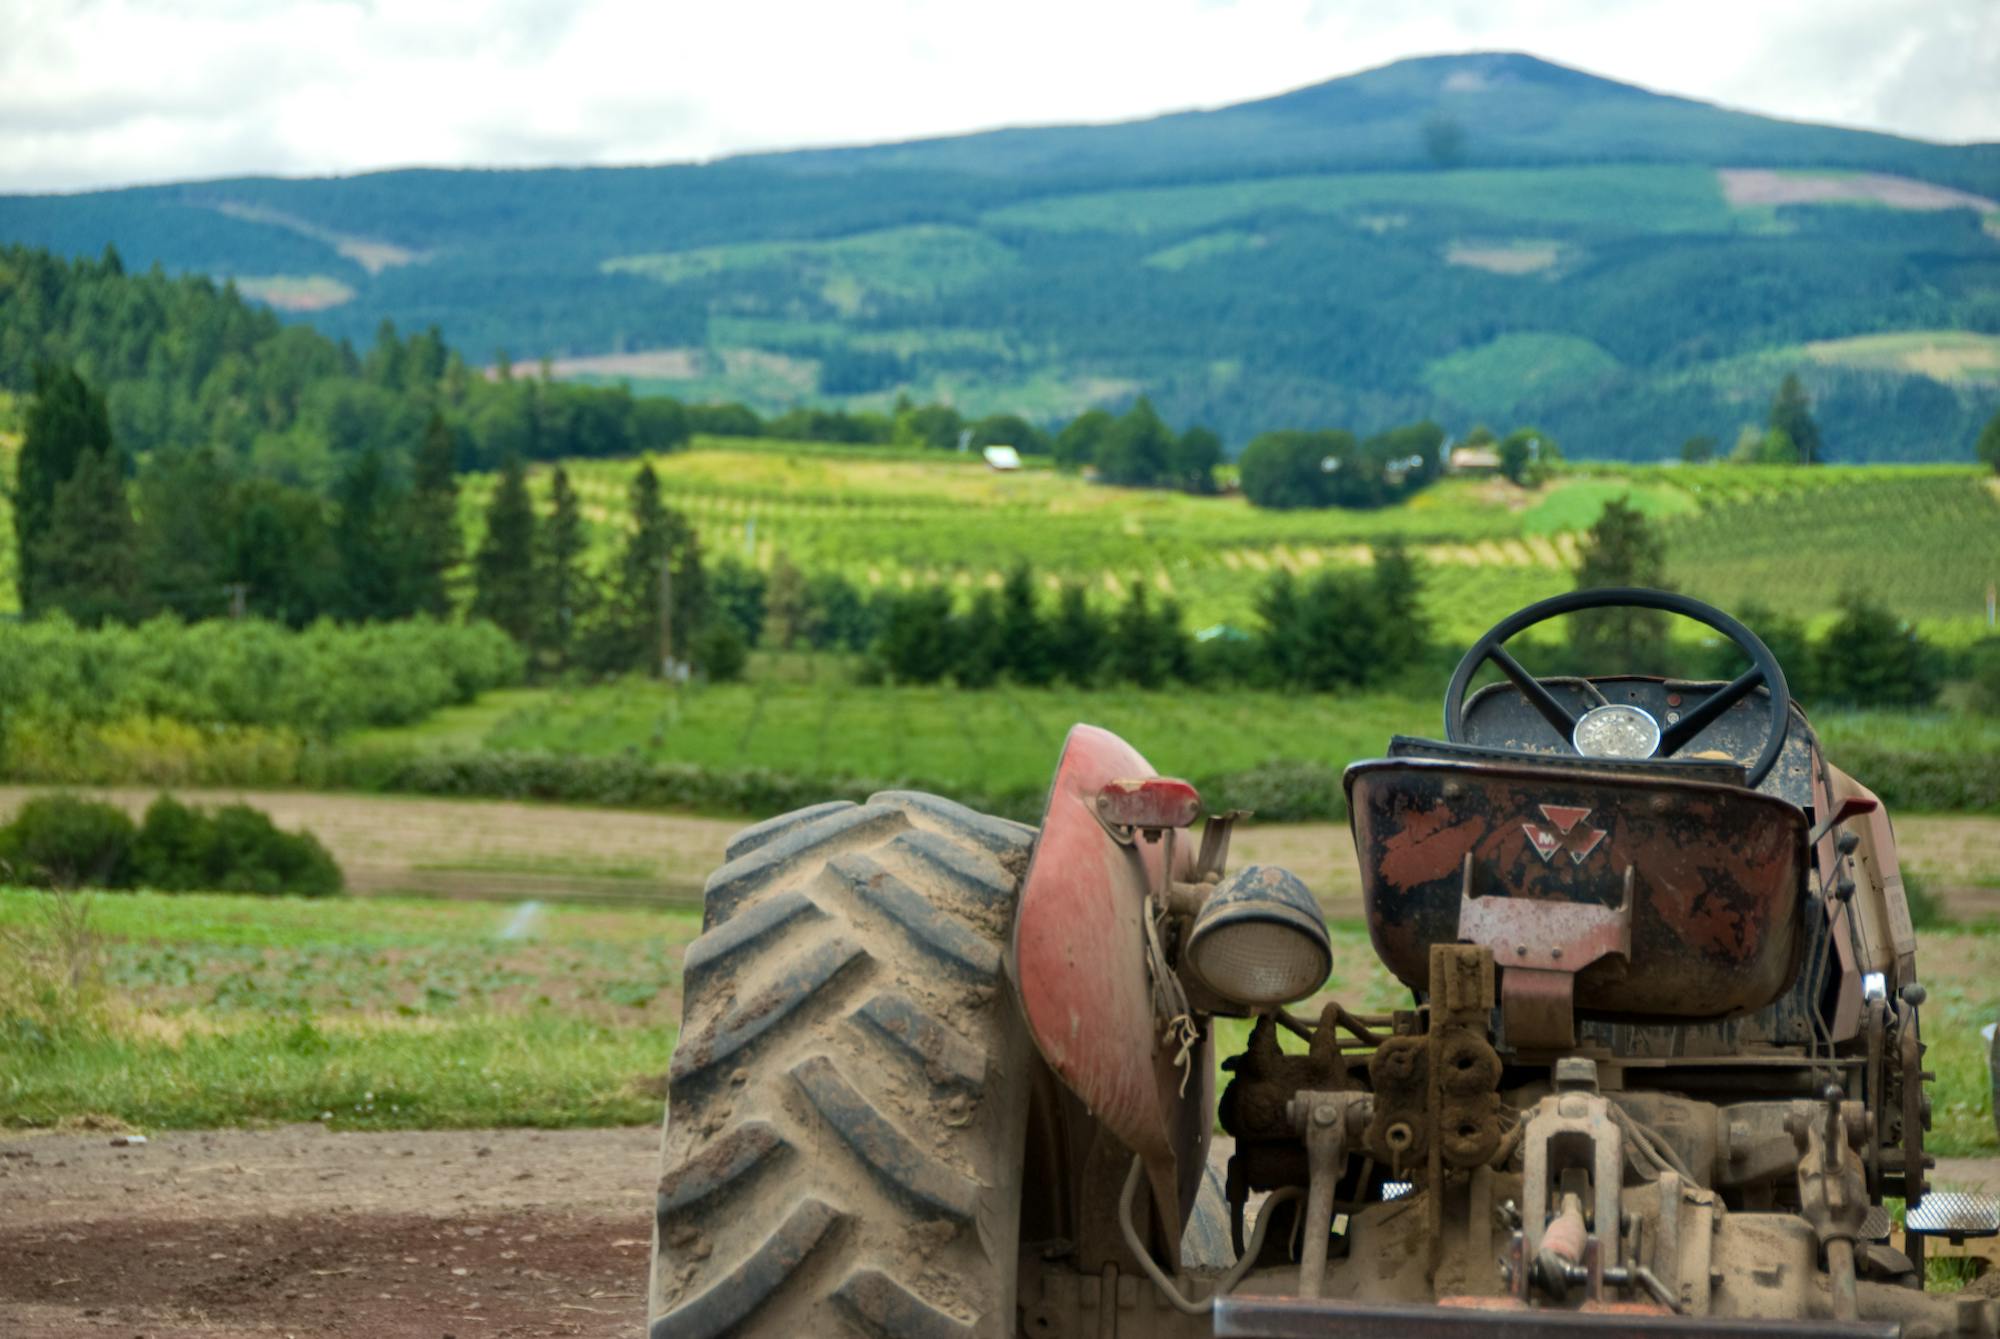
point(63, 841)
point(1871, 658)
point(60, 841)
point(1983, 667)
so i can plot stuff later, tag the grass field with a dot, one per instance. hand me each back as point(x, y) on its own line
point(1006, 739)
point(1924, 538)
point(382, 1014)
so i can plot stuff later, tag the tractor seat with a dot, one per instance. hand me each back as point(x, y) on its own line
point(1664, 889)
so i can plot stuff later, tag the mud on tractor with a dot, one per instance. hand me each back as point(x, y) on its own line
point(1660, 1072)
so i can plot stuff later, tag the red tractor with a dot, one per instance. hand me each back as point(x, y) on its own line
point(942, 1074)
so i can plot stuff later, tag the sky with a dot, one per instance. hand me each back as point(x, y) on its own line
point(100, 93)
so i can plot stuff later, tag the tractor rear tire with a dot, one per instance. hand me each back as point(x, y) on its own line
point(845, 1109)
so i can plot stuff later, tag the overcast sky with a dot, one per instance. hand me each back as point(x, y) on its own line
point(116, 92)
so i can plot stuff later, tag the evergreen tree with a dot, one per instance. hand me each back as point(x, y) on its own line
point(1076, 638)
point(181, 535)
point(371, 541)
point(1987, 448)
point(1399, 596)
point(1621, 549)
point(1791, 414)
point(1076, 445)
point(563, 594)
point(1871, 658)
point(434, 539)
point(504, 566)
point(1192, 459)
point(1141, 649)
point(86, 560)
point(841, 618)
point(915, 645)
point(978, 650)
point(1283, 640)
point(66, 421)
point(1024, 642)
point(278, 546)
point(626, 634)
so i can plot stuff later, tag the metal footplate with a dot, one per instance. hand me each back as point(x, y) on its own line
point(1304, 1318)
point(1954, 1215)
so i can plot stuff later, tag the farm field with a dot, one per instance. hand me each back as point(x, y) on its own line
point(1926, 539)
point(378, 1014)
point(1003, 742)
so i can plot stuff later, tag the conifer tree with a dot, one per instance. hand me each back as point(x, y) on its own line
point(626, 635)
point(1076, 638)
point(65, 421)
point(976, 643)
point(370, 540)
point(86, 561)
point(564, 593)
point(1621, 549)
point(1791, 414)
point(436, 546)
point(1024, 641)
point(184, 505)
point(504, 566)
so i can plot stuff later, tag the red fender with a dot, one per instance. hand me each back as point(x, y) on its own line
point(1079, 965)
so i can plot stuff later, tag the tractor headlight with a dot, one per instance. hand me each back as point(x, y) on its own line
point(1260, 939)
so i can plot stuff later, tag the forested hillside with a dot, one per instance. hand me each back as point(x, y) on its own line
point(1465, 239)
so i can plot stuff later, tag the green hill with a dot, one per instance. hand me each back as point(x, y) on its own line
point(1484, 237)
point(1926, 540)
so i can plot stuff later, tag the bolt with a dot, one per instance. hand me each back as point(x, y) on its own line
point(1520, 950)
point(1324, 1114)
point(1914, 994)
point(1557, 955)
point(1843, 888)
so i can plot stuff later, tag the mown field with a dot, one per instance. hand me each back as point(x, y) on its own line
point(1925, 539)
point(407, 1014)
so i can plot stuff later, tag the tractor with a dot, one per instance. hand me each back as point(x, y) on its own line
point(1659, 1071)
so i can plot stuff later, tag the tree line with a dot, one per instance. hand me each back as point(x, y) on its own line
point(1339, 628)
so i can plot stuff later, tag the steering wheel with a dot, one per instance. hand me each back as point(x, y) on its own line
point(1764, 669)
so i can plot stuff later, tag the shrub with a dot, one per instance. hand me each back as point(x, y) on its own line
point(60, 841)
point(1872, 658)
point(1983, 665)
point(63, 841)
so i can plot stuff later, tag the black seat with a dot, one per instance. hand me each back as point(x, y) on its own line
point(1684, 769)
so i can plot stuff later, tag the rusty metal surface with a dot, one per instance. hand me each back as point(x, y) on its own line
point(1301, 1318)
point(1079, 963)
point(1148, 802)
point(1717, 873)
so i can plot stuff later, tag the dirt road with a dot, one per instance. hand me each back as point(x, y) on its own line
point(482, 1234)
point(495, 848)
point(491, 1234)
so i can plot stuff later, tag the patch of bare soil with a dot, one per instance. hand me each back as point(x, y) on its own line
point(498, 1234)
point(1757, 186)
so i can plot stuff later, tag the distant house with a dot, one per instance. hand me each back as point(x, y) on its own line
point(1473, 460)
point(1002, 457)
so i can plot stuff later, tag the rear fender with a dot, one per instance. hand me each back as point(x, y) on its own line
point(1079, 967)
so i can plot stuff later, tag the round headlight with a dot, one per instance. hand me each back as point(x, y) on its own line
point(1260, 940)
point(1616, 731)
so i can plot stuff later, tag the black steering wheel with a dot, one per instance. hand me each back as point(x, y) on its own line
point(1764, 669)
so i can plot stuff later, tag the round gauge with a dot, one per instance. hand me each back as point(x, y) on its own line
point(1616, 731)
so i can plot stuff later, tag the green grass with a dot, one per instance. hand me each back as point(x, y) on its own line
point(383, 1013)
point(1004, 740)
point(410, 1014)
point(1634, 198)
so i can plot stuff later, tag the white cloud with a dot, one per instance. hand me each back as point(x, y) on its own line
point(103, 92)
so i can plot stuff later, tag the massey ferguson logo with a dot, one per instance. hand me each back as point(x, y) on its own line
point(1568, 834)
